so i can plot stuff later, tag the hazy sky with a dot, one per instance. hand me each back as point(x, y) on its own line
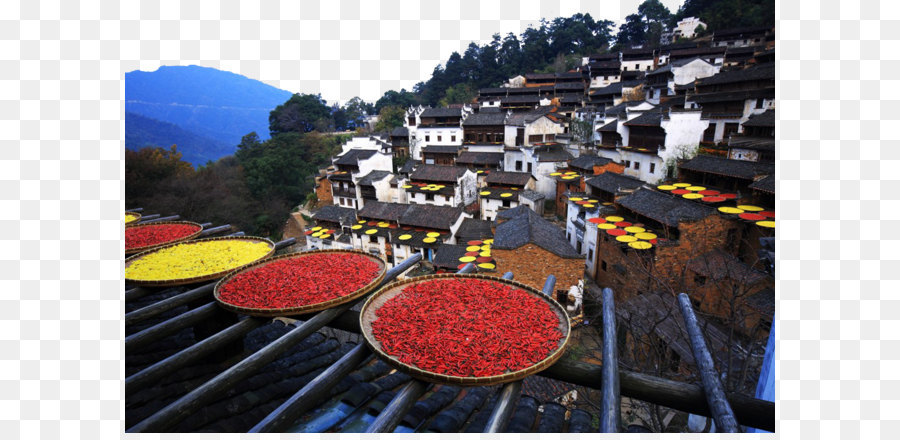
point(347, 48)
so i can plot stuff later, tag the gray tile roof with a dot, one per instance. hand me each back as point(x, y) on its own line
point(374, 176)
point(613, 182)
point(534, 196)
point(400, 131)
point(667, 209)
point(447, 256)
point(474, 229)
point(508, 178)
point(420, 216)
point(766, 184)
point(718, 265)
point(335, 214)
point(382, 211)
point(437, 173)
point(765, 119)
point(529, 227)
point(441, 149)
point(353, 156)
point(588, 161)
point(485, 118)
point(409, 166)
point(741, 169)
point(756, 72)
point(650, 118)
point(441, 112)
point(552, 153)
point(480, 158)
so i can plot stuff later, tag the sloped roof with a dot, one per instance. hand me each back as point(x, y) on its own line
point(474, 229)
point(741, 169)
point(610, 127)
point(765, 119)
point(400, 131)
point(353, 156)
point(650, 118)
point(766, 184)
point(552, 153)
point(588, 161)
point(737, 95)
point(485, 118)
point(619, 109)
point(441, 112)
point(437, 173)
point(753, 73)
point(441, 149)
point(614, 182)
point(534, 196)
point(665, 208)
point(430, 216)
point(382, 210)
point(374, 176)
point(335, 214)
point(480, 158)
point(522, 118)
point(529, 227)
point(447, 256)
point(508, 178)
point(409, 166)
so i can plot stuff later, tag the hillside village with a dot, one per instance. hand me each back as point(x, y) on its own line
point(648, 171)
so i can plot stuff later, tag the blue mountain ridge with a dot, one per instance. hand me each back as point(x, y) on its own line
point(141, 131)
point(207, 102)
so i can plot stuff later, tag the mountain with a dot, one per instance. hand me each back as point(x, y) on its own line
point(141, 131)
point(211, 103)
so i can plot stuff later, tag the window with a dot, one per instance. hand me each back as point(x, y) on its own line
point(518, 165)
point(627, 163)
point(637, 165)
point(535, 138)
point(759, 103)
point(439, 138)
point(729, 129)
point(549, 137)
point(637, 66)
point(506, 203)
point(427, 138)
point(652, 168)
point(529, 167)
point(452, 138)
point(603, 265)
point(412, 120)
point(709, 135)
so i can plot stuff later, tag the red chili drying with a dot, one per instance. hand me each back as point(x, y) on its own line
point(299, 281)
point(467, 327)
point(149, 235)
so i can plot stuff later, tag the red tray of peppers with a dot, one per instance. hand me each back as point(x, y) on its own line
point(299, 283)
point(465, 329)
point(140, 238)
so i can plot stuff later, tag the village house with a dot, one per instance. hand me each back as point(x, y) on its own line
point(686, 28)
point(440, 154)
point(352, 165)
point(728, 174)
point(441, 186)
point(503, 190)
point(379, 186)
point(740, 37)
point(572, 178)
point(399, 139)
point(729, 98)
point(642, 60)
point(712, 55)
point(332, 218)
point(756, 142)
point(474, 229)
point(485, 131)
point(531, 247)
point(663, 82)
point(436, 127)
point(480, 161)
point(607, 186)
point(578, 207)
point(684, 230)
point(539, 161)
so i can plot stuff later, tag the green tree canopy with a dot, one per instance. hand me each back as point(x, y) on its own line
point(301, 113)
point(389, 118)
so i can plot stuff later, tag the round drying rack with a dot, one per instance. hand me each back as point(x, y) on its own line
point(199, 279)
point(307, 308)
point(368, 316)
point(138, 250)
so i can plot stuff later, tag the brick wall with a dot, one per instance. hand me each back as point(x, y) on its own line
point(530, 264)
point(630, 272)
point(611, 167)
point(323, 192)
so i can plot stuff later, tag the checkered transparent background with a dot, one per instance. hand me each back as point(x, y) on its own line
point(62, 188)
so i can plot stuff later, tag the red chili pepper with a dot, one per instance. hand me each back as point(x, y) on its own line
point(149, 235)
point(299, 281)
point(466, 327)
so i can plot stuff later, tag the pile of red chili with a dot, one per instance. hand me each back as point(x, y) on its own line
point(150, 235)
point(466, 327)
point(299, 281)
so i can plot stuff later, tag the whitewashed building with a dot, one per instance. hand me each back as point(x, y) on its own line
point(441, 185)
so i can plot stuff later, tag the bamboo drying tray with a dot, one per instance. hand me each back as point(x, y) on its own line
point(138, 250)
point(137, 216)
point(367, 317)
point(309, 308)
point(200, 279)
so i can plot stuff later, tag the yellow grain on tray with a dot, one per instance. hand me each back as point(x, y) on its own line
point(130, 218)
point(190, 260)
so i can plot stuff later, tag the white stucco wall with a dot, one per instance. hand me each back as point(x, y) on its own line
point(468, 183)
point(490, 207)
point(641, 65)
point(601, 81)
point(542, 126)
point(645, 159)
point(379, 161)
point(691, 71)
